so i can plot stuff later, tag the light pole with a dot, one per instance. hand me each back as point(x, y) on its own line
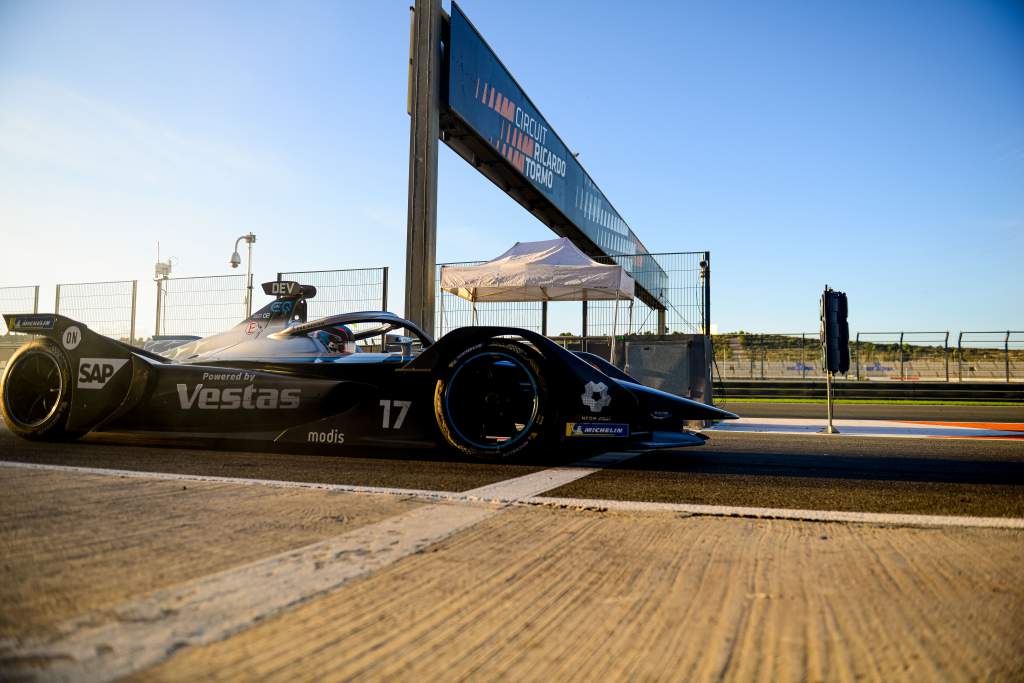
point(236, 260)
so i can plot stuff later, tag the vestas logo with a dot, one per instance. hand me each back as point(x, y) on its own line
point(237, 398)
point(94, 373)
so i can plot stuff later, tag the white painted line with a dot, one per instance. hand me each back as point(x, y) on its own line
point(545, 480)
point(884, 428)
point(140, 633)
point(882, 518)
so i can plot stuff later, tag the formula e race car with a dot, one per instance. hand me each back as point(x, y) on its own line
point(356, 379)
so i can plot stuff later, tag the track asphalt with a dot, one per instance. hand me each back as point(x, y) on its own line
point(806, 471)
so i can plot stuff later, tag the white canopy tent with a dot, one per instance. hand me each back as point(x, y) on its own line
point(550, 270)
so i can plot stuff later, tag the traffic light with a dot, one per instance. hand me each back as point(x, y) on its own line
point(835, 332)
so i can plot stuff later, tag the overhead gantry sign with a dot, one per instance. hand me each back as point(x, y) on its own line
point(487, 118)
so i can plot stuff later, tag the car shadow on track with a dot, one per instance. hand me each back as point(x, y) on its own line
point(801, 465)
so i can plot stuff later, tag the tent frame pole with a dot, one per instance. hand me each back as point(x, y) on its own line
point(615, 324)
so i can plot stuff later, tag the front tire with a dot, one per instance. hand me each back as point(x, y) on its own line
point(491, 401)
point(35, 397)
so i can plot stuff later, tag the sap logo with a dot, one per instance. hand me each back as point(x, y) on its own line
point(94, 373)
point(281, 307)
point(235, 398)
point(334, 437)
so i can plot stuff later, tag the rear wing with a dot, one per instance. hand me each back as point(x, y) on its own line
point(74, 337)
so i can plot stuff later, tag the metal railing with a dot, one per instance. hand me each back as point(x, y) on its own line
point(199, 305)
point(893, 356)
point(18, 300)
point(744, 355)
point(106, 307)
point(980, 358)
point(912, 355)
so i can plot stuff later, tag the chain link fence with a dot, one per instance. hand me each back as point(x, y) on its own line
point(891, 356)
point(343, 291)
point(684, 286)
point(685, 291)
point(106, 307)
point(199, 305)
point(17, 300)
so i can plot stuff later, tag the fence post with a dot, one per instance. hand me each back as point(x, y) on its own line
point(803, 365)
point(384, 295)
point(584, 330)
point(763, 352)
point(1006, 348)
point(35, 300)
point(857, 352)
point(960, 357)
point(56, 302)
point(159, 303)
point(706, 272)
point(901, 356)
point(135, 291)
point(945, 354)
point(544, 318)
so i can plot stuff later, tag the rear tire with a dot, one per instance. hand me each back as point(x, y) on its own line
point(491, 401)
point(35, 393)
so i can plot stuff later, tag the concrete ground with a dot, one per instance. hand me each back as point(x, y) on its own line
point(154, 569)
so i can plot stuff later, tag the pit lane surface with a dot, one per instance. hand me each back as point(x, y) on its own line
point(163, 579)
point(936, 477)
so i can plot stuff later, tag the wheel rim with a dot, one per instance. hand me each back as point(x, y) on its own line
point(492, 401)
point(33, 388)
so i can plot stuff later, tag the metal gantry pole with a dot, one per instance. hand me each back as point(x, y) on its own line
point(35, 300)
point(56, 301)
point(384, 291)
point(424, 128)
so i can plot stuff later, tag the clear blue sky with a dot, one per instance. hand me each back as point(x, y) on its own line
point(874, 146)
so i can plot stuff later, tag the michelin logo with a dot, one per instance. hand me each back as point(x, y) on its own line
point(94, 373)
point(595, 396)
point(596, 429)
point(33, 323)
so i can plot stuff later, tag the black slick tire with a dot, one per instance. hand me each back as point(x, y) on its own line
point(520, 405)
point(35, 392)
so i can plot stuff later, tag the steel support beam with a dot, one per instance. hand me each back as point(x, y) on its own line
point(424, 129)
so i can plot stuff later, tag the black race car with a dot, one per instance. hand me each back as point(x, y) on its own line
point(357, 379)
